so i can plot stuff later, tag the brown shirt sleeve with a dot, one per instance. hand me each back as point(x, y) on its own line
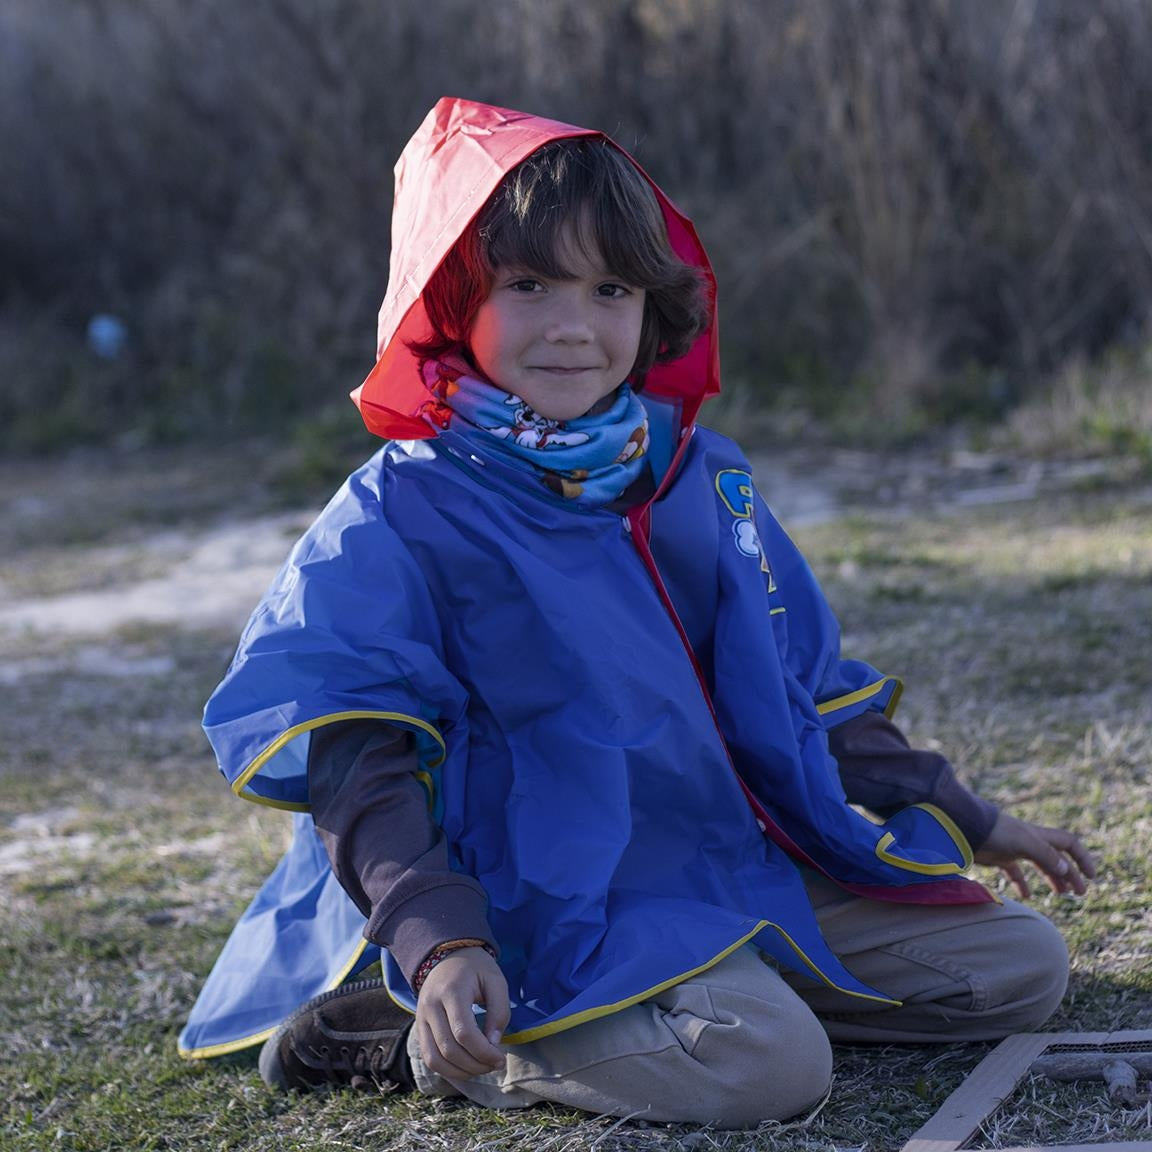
point(881, 772)
point(388, 853)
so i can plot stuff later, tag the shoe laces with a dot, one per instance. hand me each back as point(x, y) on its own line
point(363, 1066)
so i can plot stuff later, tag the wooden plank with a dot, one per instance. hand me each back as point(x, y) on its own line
point(992, 1080)
point(995, 1078)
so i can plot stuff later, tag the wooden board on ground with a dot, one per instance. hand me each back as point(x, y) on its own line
point(995, 1078)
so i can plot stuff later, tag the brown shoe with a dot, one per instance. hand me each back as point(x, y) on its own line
point(353, 1036)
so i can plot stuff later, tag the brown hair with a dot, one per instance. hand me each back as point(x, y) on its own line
point(584, 179)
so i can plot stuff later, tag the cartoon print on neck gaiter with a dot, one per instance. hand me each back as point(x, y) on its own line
point(531, 430)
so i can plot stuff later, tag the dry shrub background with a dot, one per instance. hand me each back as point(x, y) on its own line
point(918, 208)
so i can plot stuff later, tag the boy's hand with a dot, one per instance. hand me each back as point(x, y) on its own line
point(451, 1042)
point(1061, 856)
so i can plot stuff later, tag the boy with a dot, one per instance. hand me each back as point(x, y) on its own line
point(561, 698)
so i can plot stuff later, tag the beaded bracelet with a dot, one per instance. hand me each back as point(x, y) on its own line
point(440, 952)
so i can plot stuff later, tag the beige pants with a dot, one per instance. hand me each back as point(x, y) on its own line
point(741, 1043)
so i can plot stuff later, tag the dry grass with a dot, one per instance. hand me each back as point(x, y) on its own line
point(915, 209)
point(1092, 409)
point(1023, 632)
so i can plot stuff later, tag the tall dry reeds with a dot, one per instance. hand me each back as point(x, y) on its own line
point(915, 206)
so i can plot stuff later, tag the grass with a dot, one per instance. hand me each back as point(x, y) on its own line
point(1023, 632)
point(1101, 408)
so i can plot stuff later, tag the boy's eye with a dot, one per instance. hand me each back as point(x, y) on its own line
point(525, 284)
point(613, 291)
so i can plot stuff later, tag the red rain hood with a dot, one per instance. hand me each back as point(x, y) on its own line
point(443, 178)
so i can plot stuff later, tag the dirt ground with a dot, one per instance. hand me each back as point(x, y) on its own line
point(92, 545)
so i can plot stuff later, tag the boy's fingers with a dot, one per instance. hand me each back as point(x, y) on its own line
point(1016, 875)
point(1060, 855)
point(495, 1000)
point(443, 1052)
point(1055, 866)
point(1072, 879)
point(471, 1045)
point(1076, 848)
point(1073, 861)
point(451, 1042)
point(492, 996)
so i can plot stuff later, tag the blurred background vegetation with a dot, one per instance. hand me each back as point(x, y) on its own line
point(922, 212)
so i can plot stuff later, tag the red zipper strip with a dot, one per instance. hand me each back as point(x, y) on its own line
point(639, 523)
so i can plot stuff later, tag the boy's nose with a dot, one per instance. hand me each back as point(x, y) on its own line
point(569, 320)
point(571, 328)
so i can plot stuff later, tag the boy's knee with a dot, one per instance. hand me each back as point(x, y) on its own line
point(766, 1059)
point(794, 1075)
point(1035, 962)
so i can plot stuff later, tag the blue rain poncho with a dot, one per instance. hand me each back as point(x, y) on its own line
point(621, 719)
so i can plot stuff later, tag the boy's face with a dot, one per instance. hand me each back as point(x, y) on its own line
point(562, 346)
